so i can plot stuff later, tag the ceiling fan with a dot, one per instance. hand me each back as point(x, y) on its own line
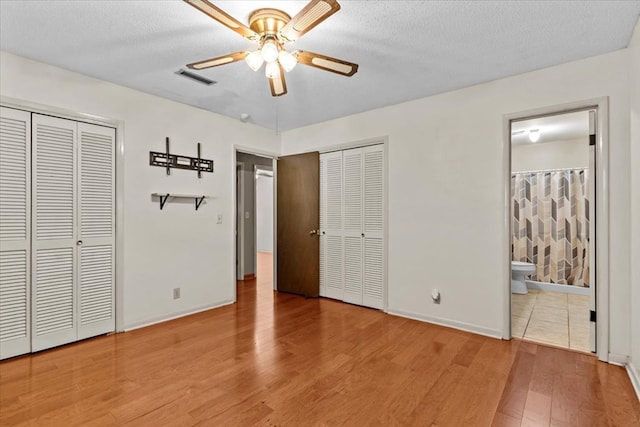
point(273, 29)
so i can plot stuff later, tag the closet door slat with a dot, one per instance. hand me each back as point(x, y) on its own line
point(96, 278)
point(15, 236)
point(53, 254)
point(331, 229)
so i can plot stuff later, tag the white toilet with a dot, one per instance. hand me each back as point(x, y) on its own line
point(518, 271)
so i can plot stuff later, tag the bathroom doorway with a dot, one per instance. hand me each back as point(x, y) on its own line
point(552, 209)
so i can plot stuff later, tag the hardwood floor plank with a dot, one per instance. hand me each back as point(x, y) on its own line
point(281, 360)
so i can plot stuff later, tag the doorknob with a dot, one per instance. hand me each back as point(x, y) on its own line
point(79, 243)
point(312, 232)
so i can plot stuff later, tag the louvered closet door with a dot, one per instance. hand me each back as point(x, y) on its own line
point(96, 272)
point(53, 228)
point(331, 234)
point(15, 187)
point(353, 236)
point(373, 226)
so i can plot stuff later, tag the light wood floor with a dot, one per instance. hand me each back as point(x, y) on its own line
point(282, 360)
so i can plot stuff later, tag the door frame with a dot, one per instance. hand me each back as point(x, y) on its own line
point(273, 156)
point(239, 206)
point(118, 125)
point(601, 182)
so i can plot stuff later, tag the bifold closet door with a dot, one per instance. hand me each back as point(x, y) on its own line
point(353, 232)
point(73, 231)
point(373, 226)
point(363, 201)
point(96, 231)
point(331, 238)
point(53, 279)
point(15, 212)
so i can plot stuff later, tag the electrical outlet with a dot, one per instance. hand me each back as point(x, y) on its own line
point(219, 218)
point(176, 293)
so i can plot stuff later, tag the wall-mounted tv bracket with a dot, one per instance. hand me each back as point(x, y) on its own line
point(168, 161)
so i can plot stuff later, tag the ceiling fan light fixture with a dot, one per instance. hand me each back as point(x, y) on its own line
point(254, 60)
point(272, 70)
point(287, 60)
point(269, 49)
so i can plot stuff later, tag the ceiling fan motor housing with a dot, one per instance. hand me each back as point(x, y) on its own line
point(268, 22)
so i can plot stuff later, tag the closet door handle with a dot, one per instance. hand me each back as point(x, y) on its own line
point(79, 243)
point(312, 232)
point(362, 234)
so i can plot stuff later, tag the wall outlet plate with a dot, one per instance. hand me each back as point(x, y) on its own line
point(176, 293)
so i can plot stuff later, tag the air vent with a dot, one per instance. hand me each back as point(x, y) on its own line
point(195, 77)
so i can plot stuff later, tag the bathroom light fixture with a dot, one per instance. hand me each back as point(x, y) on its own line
point(534, 135)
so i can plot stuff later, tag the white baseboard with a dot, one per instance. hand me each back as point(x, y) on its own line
point(149, 322)
point(634, 376)
point(467, 327)
point(554, 287)
point(618, 359)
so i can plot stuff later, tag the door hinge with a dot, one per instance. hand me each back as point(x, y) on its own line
point(592, 139)
point(592, 316)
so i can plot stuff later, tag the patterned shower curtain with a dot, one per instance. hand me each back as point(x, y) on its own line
point(551, 224)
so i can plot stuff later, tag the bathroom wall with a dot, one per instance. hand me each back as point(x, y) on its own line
point(566, 153)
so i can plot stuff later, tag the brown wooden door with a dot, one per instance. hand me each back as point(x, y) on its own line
point(298, 217)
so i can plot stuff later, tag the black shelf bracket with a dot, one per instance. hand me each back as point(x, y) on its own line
point(199, 200)
point(163, 200)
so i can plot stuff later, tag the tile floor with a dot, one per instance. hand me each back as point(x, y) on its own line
point(551, 318)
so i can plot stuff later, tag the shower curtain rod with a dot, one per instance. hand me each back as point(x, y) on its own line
point(552, 170)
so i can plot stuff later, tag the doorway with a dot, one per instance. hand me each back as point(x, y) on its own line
point(556, 169)
point(254, 220)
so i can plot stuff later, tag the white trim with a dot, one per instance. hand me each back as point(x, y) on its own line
point(239, 255)
point(347, 145)
point(118, 125)
point(555, 287)
point(467, 327)
point(156, 320)
point(617, 359)
point(602, 211)
point(255, 151)
point(634, 376)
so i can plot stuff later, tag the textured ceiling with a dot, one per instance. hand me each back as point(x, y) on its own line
point(405, 49)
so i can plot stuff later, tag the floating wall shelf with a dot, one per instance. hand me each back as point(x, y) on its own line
point(199, 198)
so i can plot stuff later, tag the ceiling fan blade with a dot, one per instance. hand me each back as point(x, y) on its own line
point(224, 18)
point(220, 60)
point(278, 85)
point(313, 13)
point(327, 63)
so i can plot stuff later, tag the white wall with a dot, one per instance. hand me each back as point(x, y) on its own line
point(175, 247)
point(634, 72)
point(445, 186)
point(567, 153)
point(264, 213)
